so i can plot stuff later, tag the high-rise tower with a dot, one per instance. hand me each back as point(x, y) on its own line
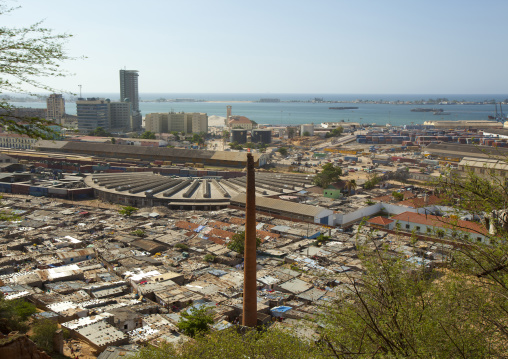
point(129, 88)
point(129, 93)
point(56, 107)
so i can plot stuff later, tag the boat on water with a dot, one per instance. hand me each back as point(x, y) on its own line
point(343, 108)
point(419, 109)
point(440, 112)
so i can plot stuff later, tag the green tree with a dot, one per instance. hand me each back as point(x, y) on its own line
point(398, 196)
point(306, 134)
point(43, 333)
point(274, 343)
point(328, 175)
point(237, 243)
point(372, 182)
point(235, 146)
point(113, 140)
point(350, 186)
point(283, 151)
point(14, 314)
point(336, 132)
point(100, 132)
point(196, 320)
point(28, 54)
point(148, 135)
point(175, 133)
point(397, 311)
point(127, 211)
point(225, 135)
point(291, 132)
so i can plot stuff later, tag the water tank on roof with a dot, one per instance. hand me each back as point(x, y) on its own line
point(307, 128)
point(239, 136)
point(263, 136)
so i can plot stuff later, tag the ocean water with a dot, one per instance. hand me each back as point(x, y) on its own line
point(295, 113)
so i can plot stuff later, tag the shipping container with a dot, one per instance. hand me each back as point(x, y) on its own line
point(38, 191)
point(57, 191)
point(5, 187)
point(20, 188)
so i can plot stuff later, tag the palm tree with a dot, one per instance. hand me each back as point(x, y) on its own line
point(350, 186)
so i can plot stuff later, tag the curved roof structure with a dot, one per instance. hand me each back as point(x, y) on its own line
point(148, 189)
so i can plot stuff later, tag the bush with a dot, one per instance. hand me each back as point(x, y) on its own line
point(196, 321)
point(127, 211)
point(182, 246)
point(209, 258)
point(139, 233)
point(398, 196)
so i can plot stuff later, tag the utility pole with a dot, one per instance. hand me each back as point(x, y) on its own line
point(249, 268)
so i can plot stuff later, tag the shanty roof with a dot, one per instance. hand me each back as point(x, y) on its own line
point(283, 206)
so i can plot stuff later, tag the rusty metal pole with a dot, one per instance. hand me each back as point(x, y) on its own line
point(249, 270)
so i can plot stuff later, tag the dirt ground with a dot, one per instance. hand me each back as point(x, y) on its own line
point(89, 203)
point(80, 349)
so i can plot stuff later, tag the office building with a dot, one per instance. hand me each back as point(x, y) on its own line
point(120, 116)
point(129, 93)
point(92, 113)
point(55, 108)
point(180, 122)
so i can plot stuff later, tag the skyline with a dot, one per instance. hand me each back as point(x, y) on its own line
point(332, 47)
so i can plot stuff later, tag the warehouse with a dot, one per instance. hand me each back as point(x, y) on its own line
point(286, 209)
point(144, 153)
point(455, 150)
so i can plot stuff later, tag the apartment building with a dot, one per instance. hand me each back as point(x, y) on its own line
point(179, 122)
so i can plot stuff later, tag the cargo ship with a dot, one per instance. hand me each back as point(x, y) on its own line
point(342, 108)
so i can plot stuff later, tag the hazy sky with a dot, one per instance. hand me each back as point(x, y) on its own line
point(354, 46)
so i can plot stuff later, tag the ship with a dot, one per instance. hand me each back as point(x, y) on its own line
point(343, 108)
point(419, 109)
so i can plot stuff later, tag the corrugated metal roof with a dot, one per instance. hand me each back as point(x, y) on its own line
point(484, 163)
point(283, 206)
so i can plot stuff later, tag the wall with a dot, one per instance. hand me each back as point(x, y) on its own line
point(20, 347)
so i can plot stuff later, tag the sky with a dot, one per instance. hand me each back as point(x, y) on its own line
point(327, 46)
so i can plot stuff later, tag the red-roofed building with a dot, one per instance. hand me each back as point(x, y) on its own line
point(380, 222)
point(440, 226)
point(240, 122)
